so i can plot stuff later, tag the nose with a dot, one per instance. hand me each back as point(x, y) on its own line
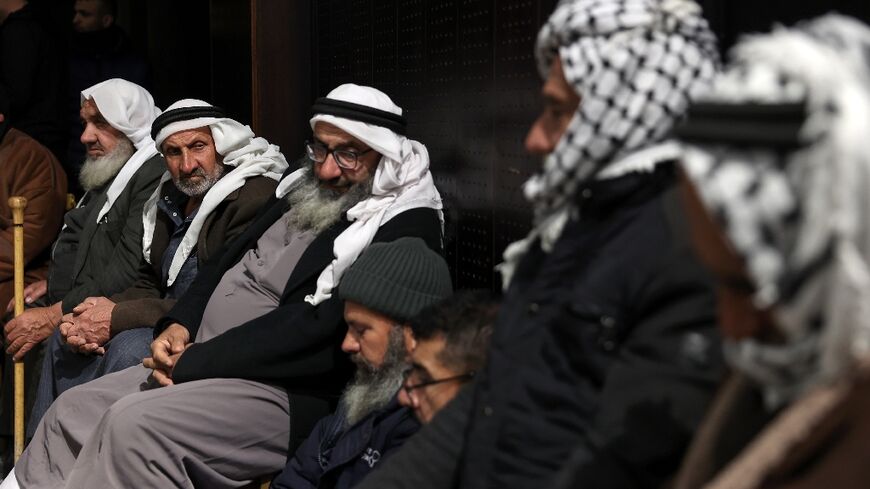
point(538, 140)
point(329, 169)
point(405, 399)
point(88, 135)
point(188, 163)
point(350, 344)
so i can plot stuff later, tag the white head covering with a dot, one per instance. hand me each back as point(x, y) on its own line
point(797, 215)
point(251, 156)
point(402, 181)
point(636, 64)
point(130, 109)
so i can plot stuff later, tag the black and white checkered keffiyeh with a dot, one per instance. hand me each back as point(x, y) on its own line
point(636, 64)
point(798, 217)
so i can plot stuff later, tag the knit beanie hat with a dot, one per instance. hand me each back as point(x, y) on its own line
point(397, 279)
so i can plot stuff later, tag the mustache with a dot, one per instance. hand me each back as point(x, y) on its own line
point(198, 172)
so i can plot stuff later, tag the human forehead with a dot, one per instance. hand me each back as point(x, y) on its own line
point(189, 136)
point(426, 356)
point(556, 88)
point(334, 137)
point(89, 110)
point(359, 316)
point(86, 6)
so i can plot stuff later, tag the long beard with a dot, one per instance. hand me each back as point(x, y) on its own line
point(96, 172)
point(192, 189)
point(314, 208)
point(372, 388)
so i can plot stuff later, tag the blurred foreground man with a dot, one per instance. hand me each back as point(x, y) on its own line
point(778, 194)
point(251, 353)
point(204, 200)
point(605, 353)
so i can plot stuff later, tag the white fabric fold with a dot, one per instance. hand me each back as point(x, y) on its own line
point(130, 109)
point(250, 155)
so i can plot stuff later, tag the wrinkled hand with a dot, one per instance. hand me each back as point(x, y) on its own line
point(88, 328)
point(30, 328)
point(31, 293)
point(165, 352)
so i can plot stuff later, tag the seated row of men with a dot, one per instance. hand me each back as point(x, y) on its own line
point(285, 261)
point(605, 353)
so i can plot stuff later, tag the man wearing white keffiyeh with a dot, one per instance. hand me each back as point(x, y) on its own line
point(98, 251)
point(210, 200)
point(778, 169)
point(605, 351)
point(249, 358)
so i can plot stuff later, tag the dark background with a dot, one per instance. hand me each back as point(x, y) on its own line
point(463, 70)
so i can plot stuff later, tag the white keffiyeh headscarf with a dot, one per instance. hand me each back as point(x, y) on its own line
point(249, 155)
point(130, 109)
point(636, 65)
point(402, 179)
point(797, 216)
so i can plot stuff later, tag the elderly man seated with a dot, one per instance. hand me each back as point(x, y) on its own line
point(252, 350)
point(387, 286)
point(205, 199)
point(447, 347)
point(99, 250)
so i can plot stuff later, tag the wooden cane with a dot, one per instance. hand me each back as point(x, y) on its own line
point(17, 204)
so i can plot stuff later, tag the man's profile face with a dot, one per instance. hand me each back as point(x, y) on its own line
point(329, 173)
point(368, 334)
point(738, 316)
point(89, 16)
point(98, 136)
point(560, 105)
point(426, 366)
point(192, 160)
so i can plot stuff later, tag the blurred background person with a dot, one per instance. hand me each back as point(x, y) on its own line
point(99, 50)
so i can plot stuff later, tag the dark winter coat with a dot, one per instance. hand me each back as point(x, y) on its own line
point(91, 259)
point(337, 457)
point(144, 302)
point(605, 353)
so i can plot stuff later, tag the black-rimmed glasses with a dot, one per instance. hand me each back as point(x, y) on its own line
point(344, 158)
point(409, 389)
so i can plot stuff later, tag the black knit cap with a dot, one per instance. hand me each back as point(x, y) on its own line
point(397, 279)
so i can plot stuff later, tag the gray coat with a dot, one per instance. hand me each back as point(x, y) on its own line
point(100, 259)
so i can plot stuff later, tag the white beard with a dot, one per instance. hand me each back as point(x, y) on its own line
point(97, 172)
point(314, 208)
point(204, 185)
point(373, 388)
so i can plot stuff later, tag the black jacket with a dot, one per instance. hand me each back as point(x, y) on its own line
point(296, 345)
point(336, 457)
point(605, 353)
point(91, 259)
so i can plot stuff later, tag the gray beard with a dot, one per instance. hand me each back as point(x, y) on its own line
point(373, 388)
point(97, 172)
point(314, 208)
point(204, 185)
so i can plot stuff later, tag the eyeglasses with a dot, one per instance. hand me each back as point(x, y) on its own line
point(349, 160)
point(409, 389)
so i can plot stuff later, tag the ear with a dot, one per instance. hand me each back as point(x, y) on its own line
point(107, 20)
point(2, 118)
point(410, 341)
